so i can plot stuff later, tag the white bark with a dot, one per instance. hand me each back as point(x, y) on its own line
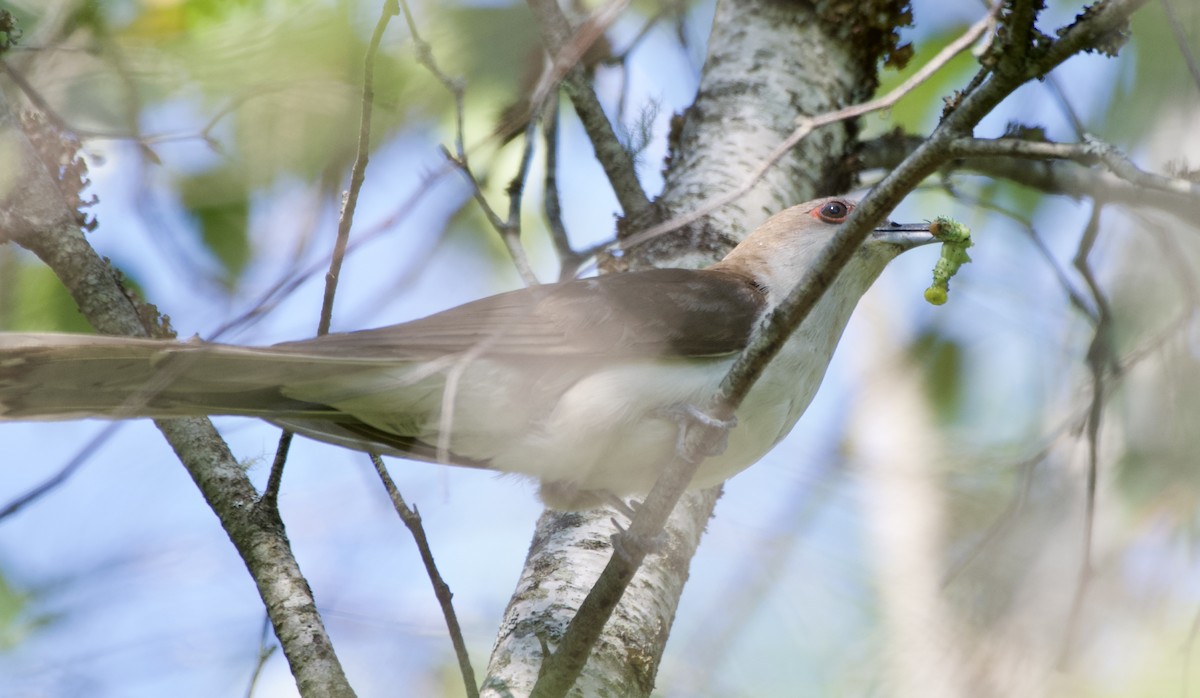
point(758, 78)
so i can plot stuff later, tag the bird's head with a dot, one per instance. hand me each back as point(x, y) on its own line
point(780, 250)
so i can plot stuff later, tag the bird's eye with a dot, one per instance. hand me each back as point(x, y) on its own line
point(833, 211)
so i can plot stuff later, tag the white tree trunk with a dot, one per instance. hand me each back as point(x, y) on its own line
point(768, 63)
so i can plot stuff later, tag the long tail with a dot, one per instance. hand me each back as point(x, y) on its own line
point(62, 376)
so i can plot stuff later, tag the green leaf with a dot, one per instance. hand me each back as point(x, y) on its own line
point(218, 202)
point(32, 299)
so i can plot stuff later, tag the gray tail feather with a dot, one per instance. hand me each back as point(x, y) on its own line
point(58, 376)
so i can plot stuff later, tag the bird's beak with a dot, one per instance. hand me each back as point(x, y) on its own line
point(904, 235)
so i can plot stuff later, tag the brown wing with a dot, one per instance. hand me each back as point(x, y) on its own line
point(678, 312)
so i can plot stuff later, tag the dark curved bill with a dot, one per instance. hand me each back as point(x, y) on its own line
point(905, 235)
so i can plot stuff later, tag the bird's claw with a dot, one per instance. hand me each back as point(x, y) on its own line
point(686, 412)
point(632, 548)
point(629, 509)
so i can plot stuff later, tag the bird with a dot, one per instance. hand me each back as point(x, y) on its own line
point(579, 385)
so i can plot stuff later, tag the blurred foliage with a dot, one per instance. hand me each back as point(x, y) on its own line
point(941, 357)
point(217, 202)
point(1157, 82)
point(919, 110)
point(17, 620)
point(272, 87)
point(33, 299)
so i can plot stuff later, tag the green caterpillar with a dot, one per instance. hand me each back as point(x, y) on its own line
point(956, 238)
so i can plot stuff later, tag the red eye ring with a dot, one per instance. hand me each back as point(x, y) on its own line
point(834, 211)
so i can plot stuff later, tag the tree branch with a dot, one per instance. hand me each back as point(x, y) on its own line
point(34, 216)
point(412, 520)
point(1052, 168)
point(613, 157)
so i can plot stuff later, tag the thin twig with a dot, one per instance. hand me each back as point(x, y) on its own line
point(1047, 174)
point(568, 259)
point(358, 171)
point(510, 229)
point(510, 232)
point(616, 161)
point(621, 57)
point(1073, 294)
point(412, 519)
point(64, 473)
point(266, 649)
point(345, 222)
point(288, 284)
point(1068, 109)
point(1090, 152)
point(1099, 358)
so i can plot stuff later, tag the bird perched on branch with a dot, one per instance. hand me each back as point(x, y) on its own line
point(578, 384)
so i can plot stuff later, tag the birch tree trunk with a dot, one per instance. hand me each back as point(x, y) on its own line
point(767, 64)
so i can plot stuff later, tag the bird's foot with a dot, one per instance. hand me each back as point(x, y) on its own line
point(629, 509)
point(633, 548)
point(686, 414)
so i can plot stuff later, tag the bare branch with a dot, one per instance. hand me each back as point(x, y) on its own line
point(1050, 168)
point(1091, 151)
point(37, 220)
point(412, 519)
point(614, 158)
point(510, 229)
point(569, 261)
point(358, 171)
point(345, 222)
point(1099, 358)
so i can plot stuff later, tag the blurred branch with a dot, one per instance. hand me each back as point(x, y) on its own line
point(64, 473)
point(563, 44)
point(285, 286)
point(1068, 109)
point(510, 229)
point(1052, 168)
point(569, 260)
point(1073, 294)
point(621, 58)
point(265, 652)
point(762, 566)
point(345, 222)
point(1099, 358)
point(412, 519)
point(1006, 518)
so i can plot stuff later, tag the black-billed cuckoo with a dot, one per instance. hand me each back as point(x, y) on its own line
point(577, 384)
